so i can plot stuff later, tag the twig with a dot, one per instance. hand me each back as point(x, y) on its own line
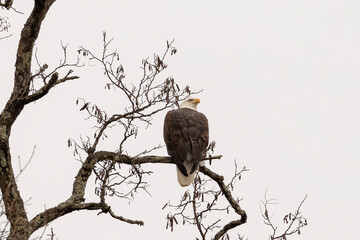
point(289, 219)
point(26, 164)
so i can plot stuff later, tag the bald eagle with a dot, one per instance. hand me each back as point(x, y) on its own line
point(186, 134)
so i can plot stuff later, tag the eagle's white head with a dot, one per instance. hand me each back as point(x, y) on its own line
point(190, 103)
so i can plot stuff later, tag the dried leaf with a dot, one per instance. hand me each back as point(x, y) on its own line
point(85, 106)
point(266, 213)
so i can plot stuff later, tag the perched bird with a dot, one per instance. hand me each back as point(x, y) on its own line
point(186, 134)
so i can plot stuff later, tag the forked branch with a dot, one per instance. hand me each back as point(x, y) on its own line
point(206, 199)
point(293, 221)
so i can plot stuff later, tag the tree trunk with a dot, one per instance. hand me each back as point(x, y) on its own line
point(19, 233)
point(14, 205)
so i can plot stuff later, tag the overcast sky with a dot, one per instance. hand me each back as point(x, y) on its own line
point(281, 84)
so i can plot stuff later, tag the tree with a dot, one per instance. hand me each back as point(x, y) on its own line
point(117, 173)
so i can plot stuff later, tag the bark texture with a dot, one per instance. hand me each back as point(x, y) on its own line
point(14, 205)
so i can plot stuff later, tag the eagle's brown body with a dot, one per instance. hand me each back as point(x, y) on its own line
point(186, 134)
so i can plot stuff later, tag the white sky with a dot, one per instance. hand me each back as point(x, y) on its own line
point(281, 92)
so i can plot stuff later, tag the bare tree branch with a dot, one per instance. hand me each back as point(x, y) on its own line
point(74, 203)
point(63, 208)
point(290, 219)
point(204, 200)
point(225, 190)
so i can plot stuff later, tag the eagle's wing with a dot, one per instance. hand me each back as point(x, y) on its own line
point(186, 134)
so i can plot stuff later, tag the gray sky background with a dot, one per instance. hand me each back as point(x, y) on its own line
point(281, 92)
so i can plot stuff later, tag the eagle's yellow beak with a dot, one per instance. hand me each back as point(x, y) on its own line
point(196, 100)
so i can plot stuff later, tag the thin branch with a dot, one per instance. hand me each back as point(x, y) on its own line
point(197, 217)
point(220, 181)
point(289, 219)
point(42, 91)
point(234, 204)
point(2, 38)
point(227, 227)
point(137, 222)
point(204, 200)
point(26, 164)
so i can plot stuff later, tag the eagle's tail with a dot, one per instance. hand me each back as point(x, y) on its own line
point(191, 172)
